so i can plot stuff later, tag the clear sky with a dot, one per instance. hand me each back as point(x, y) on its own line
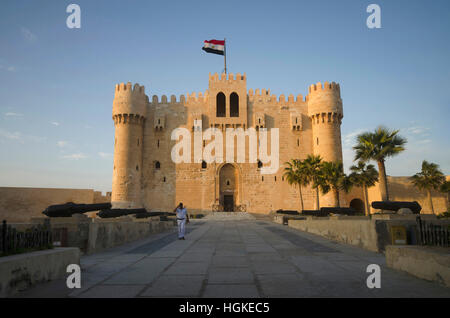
point(57, 84)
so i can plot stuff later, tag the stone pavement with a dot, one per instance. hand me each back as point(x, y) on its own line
point(236, 258)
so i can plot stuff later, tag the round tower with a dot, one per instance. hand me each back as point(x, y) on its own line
point(129, 113)
point(326, 113)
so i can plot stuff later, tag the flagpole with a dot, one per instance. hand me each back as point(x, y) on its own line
point(225, 54)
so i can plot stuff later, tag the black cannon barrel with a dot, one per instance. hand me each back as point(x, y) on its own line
point(70, 208)
point(313, 213)
point(336, 210)
point(114, 213)
point(290, 212)
point(414, 206)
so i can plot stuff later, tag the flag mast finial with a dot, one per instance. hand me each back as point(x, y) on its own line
point(225, 54)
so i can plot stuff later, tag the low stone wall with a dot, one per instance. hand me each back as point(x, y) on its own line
point(93, 235)
point(430, 263)
point(372, 233)
point(284, 218)
point(358, 230)
point(104, 234)
point(19, 272)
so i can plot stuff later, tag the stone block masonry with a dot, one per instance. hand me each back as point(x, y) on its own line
point(430, 263)
point(21, 271)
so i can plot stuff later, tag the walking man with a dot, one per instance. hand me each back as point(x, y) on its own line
point(182, 219)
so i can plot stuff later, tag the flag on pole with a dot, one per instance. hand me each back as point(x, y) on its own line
point(214, 46)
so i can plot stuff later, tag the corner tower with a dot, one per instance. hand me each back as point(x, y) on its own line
point(129, 113)
point(325, 112)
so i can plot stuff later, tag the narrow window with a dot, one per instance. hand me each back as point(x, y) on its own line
point(220, 105)
point(138, 141)
point(275, 178)
point(203, 164)
point(263, 178)
point(164, 179)
point(158, 143)
point(137, 168)
point(260, 164)
point(234, 105)
point(157, 165)
point(317, 140)
point(298, 142)
point(228, 182)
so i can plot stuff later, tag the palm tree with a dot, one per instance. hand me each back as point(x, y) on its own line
point(311, 167)
point(377, 146)
point(332, 177)
point(429, 178)
point(295, 175)
point(365, 177)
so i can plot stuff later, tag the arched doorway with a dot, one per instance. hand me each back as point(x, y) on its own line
point(358, 205)
point(228, 187)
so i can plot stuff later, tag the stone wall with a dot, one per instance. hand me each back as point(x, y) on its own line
point(371, 233)
point(19, 272)
point(430, 263)
point(21, 204)
point(92, 235)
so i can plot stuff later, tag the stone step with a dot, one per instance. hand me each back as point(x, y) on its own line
point(229, 216)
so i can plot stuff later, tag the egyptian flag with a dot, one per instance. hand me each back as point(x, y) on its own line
point(214, 46)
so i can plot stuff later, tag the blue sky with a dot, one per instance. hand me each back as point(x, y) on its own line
point(57, 84)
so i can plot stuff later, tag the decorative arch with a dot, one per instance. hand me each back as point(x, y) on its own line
point(228, 183)
point(220, 105)
point(234, 105)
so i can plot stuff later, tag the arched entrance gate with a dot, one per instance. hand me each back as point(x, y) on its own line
point(228, 187)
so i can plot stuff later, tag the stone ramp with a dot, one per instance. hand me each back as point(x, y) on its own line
point(229, 216)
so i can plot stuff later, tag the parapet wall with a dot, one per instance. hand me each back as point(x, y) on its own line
point(369, 233)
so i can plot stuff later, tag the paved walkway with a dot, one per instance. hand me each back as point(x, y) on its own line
point(237, 258)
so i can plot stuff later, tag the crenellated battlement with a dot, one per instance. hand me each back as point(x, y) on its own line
point(224, 78)
point(325, 103)
point(122, 87)
point(325, 88)
point(189, 98)
point(263, 95)
point(129, 99)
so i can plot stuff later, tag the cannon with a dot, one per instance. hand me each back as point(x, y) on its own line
point(313, 213)
point(326, 211)
point(414, 206)
point(335, 210)
point(70, 208)
point(114, 213)
point(144, 215)
point(290, 212)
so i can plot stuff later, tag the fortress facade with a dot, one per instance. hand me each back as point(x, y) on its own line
point(146, 176)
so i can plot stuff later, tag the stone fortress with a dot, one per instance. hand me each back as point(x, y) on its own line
point(145, 176)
